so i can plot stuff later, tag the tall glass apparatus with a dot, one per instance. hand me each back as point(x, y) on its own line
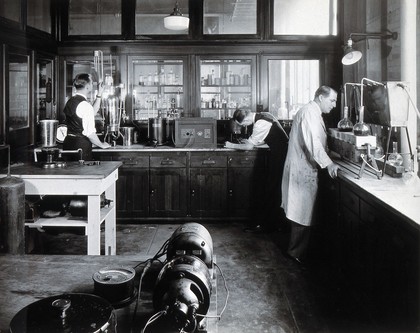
point(361, 128)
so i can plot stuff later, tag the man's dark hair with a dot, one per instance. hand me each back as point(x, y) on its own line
point(239, 116)
point(81, 80)
point(324, 91)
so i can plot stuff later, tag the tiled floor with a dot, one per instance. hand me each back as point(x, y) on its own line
point(268, 292)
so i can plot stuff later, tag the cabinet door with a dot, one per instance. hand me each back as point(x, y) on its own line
point(246, 175)
point(168, 192)
point(208, 192)
point(133, 193)
point(226, 84)
point(157, 87)
point(168, 185)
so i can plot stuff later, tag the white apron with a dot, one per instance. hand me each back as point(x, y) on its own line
point(306, 153)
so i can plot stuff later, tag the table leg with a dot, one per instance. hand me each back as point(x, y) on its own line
point(110, 222)
point(94, 225)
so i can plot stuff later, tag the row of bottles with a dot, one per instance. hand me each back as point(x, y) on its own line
point(161, 78)
point(229, 78)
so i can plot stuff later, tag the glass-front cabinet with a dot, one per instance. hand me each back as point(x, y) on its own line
point(226, 84)
point(157, 88)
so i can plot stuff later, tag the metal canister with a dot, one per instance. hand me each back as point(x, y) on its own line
point(128, 135)
point(12, 215)
point(48, 132)
point(157, 131)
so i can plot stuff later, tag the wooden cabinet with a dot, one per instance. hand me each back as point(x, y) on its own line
point(168, 185)
point(246, 174)
point(187, 184)
point(379, 258)
point(208, 185)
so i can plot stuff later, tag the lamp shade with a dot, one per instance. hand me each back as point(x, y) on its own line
point(176, 22)
point(351, 56)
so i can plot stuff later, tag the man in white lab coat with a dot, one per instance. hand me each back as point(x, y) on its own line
point(306, 154)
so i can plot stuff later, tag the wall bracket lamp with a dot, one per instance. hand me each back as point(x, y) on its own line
point(176, 21)
point(351, 56)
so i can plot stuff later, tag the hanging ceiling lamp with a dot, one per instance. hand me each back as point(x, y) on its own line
point(176, 21)
point(351, 56)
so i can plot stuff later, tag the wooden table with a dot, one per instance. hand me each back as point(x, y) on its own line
point(77, 179)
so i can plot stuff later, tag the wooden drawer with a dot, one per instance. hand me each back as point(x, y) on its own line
point(133, 160)
point(179, 161)
point(245, 161)
point(349, 199)
point(206, 161)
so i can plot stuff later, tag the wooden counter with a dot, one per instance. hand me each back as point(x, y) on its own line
point(77, 179)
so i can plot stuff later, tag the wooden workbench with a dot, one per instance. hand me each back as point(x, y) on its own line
point(77, 179)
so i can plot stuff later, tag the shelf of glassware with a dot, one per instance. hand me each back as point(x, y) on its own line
point(226, 85)
point(151, 101)
point(157, 87)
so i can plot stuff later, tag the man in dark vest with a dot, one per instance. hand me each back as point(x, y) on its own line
point(266, 131)
point(80, 118)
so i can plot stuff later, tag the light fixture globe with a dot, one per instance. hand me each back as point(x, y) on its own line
point(351, 56)
point(176, 21)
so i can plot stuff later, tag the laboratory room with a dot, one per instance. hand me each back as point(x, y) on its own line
point(209, 166)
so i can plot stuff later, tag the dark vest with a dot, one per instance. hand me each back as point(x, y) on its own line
point(73, 121)
point(277, 136)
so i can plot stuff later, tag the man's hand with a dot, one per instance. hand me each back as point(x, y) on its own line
point(333, 170)
point(228, 144)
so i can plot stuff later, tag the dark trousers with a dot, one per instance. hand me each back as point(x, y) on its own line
point(299, 240)
point(76, 142)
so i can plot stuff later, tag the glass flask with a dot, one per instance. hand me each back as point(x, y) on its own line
point(345, 125)
point(361, 128)
point(395, 158)
point(379, 151)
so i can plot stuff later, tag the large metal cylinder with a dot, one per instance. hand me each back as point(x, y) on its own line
point(12, 215)
point(48, 132)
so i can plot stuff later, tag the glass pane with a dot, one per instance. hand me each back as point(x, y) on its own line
point(225, 86)
point(230, 17)
point(150, 15)
point(10, 9)
point(305, 17)
point(292, 84)
point(157, 88)
point(39, 14)
point(94, 17)
point(44, 89)
point(18, 91)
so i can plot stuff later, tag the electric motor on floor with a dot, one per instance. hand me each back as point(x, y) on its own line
point(191, 239)
point(66, 313)
point(183, 290)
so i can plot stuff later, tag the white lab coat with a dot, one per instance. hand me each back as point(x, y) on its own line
point(306, 153)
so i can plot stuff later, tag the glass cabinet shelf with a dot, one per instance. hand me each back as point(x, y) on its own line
point(157, 88)
point(225, 85)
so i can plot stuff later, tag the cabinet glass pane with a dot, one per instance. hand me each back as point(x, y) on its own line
point(157, 87)
point(230, 17)
point(18, 91)
point(44, 104)
point(10, 9)
point(292, 84)
point(305, 17)
point(150, 15)
point(94, 17)
point(39, 14)
point(225, 86)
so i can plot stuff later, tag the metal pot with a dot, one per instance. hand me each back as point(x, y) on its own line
point(128, 135)
point(157, 131)
point(48, 132)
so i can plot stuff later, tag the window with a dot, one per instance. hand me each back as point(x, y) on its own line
point(150, 15)
point(230, 17)
point(39, 14)
point(305, 17)
point(18, 91)
point(94, 17)
point(291, 84)
point(10, 9)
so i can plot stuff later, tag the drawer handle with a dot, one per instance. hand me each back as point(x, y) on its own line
point(231, 193)
point(129, 162)
point(192, 193)
point(246, 162)
point(209, 162)
point(167, 162)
